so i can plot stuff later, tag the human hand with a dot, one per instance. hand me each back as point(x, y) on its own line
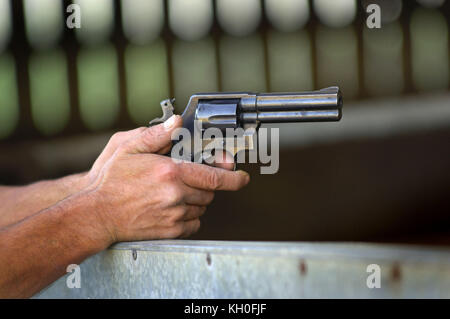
point(141, 195)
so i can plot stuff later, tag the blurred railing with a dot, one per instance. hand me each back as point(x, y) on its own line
point(130, 54)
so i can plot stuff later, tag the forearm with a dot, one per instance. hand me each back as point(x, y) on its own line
point(23, 201)
point(36, 251)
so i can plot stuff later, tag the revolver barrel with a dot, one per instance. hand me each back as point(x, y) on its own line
point(315, 106)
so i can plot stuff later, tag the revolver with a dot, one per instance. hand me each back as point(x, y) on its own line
point(243, 113)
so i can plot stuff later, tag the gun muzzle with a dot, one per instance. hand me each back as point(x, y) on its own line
point(316, 106)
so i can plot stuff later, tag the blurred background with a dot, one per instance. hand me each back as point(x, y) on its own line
point(381, 174)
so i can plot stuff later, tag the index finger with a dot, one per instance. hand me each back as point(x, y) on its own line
point(212, 178)
point(224, 160)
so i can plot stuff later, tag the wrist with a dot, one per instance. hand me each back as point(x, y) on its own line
point(76, 183)
point(87, 214)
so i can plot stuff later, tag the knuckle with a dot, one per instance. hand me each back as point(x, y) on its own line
point(122, 148)
point(151, 135)
point(150, 132)
point(147, 138)
point(117, 138)
point(214, 179)
point(176, 216)
point(209, 197)
point(196, 225)
point(171, 221)
point(174, 194)
point(168, 171)
point(177, 230)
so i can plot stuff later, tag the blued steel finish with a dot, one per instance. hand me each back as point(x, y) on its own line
point(232, 110)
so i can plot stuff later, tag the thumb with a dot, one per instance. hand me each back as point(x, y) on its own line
point(155, 138)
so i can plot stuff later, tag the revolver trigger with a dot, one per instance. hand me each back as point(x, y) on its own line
point(167, 108)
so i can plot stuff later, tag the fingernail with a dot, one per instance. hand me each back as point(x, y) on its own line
point(170, 122)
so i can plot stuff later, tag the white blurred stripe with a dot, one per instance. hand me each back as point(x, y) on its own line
point(49, 91)
point(242, 63)
point(190, 19)
point(143, 20)
point(290, 61)
point(97, 20)
point(335, 13)
point(98, 86)
point(43, 22)
point(5, 23)
point(390, 9)
point(337, 59)
point(237, 17)
point(383, 59)
point(9, 104)
point(147, 80)
point(287, 15)
point(429, 49)
point(194, 67)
